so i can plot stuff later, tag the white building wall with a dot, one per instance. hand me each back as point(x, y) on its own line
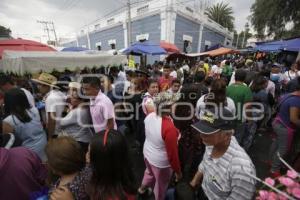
point(168, 10)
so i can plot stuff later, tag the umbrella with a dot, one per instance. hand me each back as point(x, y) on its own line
point(141, 48)
point(23, 45)
point(74, 49)
point(169, 47)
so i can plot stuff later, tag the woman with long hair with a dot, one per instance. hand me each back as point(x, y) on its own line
point(112, 176)
point(24, 122)
point(133, 101)
point(285, 124)
point(112, 169)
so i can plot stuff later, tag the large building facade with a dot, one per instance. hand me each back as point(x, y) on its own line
point(156, 20)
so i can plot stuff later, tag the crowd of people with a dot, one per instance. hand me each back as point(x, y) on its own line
point(70, 135)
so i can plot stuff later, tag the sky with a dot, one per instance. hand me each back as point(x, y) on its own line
point(70, 15)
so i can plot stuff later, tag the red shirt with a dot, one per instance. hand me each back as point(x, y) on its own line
point(164, 83)
point(170, 135)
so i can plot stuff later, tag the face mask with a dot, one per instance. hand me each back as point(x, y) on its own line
point(209, 147)
point(275, 77)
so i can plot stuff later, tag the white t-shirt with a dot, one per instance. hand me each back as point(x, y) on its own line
point(174, 74)
point(55, 103)
point(76, 124)
point(290, 75)
point(232, 79)
point(29, 97)
point(216, 70)
point(200, 107)
point(271, 88)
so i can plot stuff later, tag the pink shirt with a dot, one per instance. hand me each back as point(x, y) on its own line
point(101, 110)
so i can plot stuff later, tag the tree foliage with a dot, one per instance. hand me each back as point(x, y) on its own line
point(4, 32)
point(222, 14)
point(270, 17)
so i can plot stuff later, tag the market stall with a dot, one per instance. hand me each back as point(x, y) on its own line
point(21, 62)
point(143, 49)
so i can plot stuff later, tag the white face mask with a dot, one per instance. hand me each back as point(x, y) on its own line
point(209, 147)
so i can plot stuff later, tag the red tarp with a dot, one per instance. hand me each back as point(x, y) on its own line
point(221, 51)
point(217, 52)
point(169, 47)
point(22, 45)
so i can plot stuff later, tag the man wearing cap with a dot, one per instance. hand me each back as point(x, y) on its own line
point(226, 170)
point(55, 102)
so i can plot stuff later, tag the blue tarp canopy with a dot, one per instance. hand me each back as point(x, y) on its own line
point(291, 45)
point(276, 46)
point(269, 46)
point(144, 48)
point(74, 49)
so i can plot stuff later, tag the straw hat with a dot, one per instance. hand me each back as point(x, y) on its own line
point(46, 79)
point(75, 85)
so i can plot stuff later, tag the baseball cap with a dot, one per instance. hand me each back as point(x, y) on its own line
point(215, 120)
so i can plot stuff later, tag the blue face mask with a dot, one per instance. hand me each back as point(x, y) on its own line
point(275, 77)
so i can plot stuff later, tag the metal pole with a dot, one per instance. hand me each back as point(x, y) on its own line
point(237, 41)
point(47, 29)
point(129, 23)
point(56, 42)
point(244, 38)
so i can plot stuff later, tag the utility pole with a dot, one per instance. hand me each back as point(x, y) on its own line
point(129, 23)
point(55, 36)
point(237, 41)
point(244, 38)
point(47, 29)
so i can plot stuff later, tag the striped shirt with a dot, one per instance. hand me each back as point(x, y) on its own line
point(227, 177)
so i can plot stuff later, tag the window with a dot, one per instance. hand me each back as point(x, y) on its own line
point(207, 44)
point(98, 46)
point(187, 46)
point(206, 47)
point(142, 10)
point(113, 46)
point(142, 37)
point(112, 43)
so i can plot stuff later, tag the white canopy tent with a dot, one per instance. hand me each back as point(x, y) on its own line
point(35, 61)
